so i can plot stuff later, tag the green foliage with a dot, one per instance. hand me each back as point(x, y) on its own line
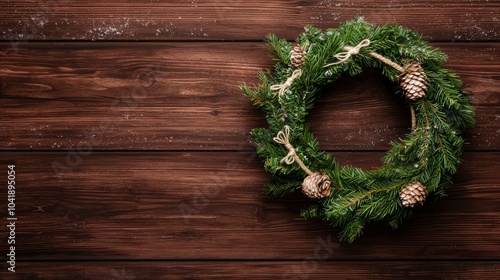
point(430, 154)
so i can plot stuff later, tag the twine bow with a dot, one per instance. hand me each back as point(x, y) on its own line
point(283, 137)
point(350, 51)
point(287, 84)
point(315, 185)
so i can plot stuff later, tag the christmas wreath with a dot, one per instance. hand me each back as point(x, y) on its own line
point(417, 167)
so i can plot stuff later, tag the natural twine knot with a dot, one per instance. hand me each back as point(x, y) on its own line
point(283, 137)
point(315, 185)
point(350, 51)
point(282, 88)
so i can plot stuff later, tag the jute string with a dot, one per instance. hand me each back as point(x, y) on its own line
point(283, 138)
point(343, 56)
point(387, 61)
point(413, 118)
point(282, 88)
point(350, 51)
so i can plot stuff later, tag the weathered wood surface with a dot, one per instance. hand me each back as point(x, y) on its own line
point(133, 158)
point(308, 268)
point(236, 19)
point(173, 205)
point(177, 96)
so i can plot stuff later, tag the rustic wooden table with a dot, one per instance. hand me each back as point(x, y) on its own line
point(130, 142)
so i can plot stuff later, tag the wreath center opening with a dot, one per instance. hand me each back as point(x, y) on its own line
point(360, 113)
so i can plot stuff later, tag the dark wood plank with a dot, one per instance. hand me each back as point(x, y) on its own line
point(308, 268)
point(177, 96)
point(21, 21)
point(207, 205)
point(95, 201)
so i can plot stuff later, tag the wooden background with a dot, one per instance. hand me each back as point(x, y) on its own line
point(133, 160)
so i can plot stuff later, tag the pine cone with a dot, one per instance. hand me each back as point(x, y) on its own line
point(298, 56)
point(316, 185)
point(412, 194)
point(414, 81)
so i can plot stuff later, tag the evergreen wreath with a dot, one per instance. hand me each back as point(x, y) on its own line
point(416, 167)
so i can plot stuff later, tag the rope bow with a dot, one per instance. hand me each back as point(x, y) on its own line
point(350, 51)
point(283, 137)
point(287, 84)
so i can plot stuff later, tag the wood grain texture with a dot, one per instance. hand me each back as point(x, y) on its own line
point(133, 158)
point(178, 96)
point(26, 20)
point(209, 206)
point(303, 269)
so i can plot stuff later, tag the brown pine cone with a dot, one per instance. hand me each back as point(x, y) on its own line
point(297, 56)
point(414, 81)
point(316, 185)
point(412, 194)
